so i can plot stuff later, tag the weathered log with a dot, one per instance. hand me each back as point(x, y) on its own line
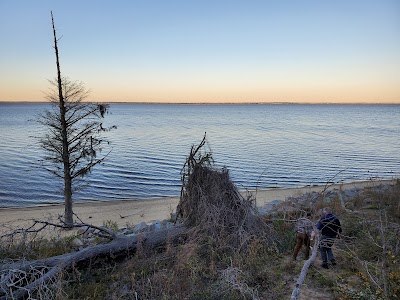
point(120, 246)
point(307, 264)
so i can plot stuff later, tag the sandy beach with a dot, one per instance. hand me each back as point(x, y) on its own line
point(145, 210)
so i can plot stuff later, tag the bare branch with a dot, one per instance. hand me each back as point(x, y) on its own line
point(307, 264)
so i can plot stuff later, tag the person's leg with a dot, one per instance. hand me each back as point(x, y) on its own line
point(331, 256)
point(307, 245)
point(329, 251)
point(323, 250)
point(299, 243)
point(324, 257)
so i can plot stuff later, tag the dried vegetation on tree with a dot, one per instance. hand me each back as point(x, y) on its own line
point(212, 207)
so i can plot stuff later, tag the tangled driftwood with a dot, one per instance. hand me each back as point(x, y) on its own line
point(23, 278)
point(212, 206)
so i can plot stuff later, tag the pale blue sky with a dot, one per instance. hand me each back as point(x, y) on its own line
point(205, 51)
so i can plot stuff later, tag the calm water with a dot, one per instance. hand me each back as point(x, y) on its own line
point(262, 146)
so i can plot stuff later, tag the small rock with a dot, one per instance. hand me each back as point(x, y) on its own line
point(350, 193)
point(381, 188)
point(269, 206)
point(169, 225)
point(155, 226)
point(91, 241)
point(125, 231)
point(77, 243)
point(165, 224)
point(140, 227)
point(275, 202)
point(287, 209)
point(82, 229)
point(131, 234)
point(314, 197)
point(86, 231)
point(329, 197)
point(263, 210)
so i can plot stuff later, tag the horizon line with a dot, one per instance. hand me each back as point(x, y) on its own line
point(219, 103)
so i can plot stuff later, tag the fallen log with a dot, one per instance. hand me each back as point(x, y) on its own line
point(304, 270)
point(12, 287)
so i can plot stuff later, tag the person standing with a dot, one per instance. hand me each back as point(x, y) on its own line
point(330, 227)
point(304, 228)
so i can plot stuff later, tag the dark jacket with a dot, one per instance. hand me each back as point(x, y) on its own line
point(329, 225)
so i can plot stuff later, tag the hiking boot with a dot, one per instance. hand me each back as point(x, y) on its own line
point(333, 262)
point(325, 266)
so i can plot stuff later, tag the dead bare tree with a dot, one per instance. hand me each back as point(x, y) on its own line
point(381, 236)
point(73, 139)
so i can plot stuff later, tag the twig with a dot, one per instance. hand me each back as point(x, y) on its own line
point(132, 214)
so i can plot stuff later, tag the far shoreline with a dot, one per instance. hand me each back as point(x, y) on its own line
point(214, 103)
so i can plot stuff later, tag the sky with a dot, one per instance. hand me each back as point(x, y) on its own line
point(342, 51)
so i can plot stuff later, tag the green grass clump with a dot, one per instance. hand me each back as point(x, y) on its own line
point(36, 248)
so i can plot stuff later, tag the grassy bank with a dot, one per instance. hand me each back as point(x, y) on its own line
point(368, 261)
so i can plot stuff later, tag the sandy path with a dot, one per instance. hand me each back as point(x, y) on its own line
point(139, 210)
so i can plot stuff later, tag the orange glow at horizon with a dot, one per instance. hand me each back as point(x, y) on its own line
point(205, 52)
point(293, 94)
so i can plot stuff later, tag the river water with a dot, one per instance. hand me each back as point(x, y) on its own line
point(268, 145)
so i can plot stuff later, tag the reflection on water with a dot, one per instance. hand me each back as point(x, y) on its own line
point(262, 145)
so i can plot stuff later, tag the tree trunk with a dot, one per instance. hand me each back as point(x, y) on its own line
point(50, 267)
point(68, 217)
point(65, 151)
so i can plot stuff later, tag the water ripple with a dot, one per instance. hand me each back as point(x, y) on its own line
point(261, 145)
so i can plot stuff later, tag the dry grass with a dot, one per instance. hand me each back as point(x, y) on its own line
point(199, 268)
